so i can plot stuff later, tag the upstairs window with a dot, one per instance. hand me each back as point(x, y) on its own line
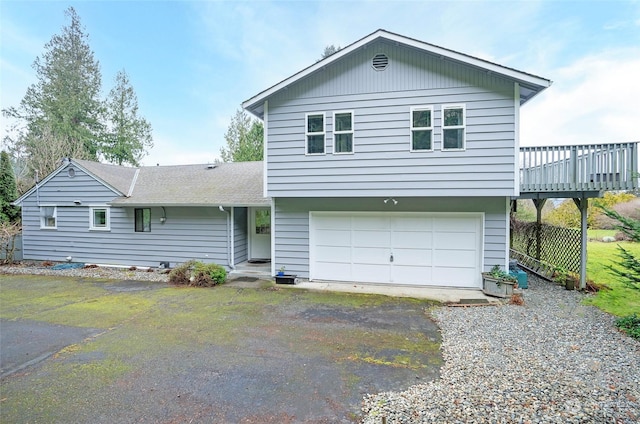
point(421, 129)
point(99, 218)
point(315, 130)
point(142, 220)
point(48, 217)
point(343, 132)
point(453, 127)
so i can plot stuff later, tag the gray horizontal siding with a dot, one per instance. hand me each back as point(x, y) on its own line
point(241, 237)
point(188, 233)
point(63, 190)
point(292, 223)
point(381, 102)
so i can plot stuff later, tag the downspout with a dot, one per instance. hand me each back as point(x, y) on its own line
point(229, 247)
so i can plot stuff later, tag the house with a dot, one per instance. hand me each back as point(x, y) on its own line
point(393, 161)
point(116, 215)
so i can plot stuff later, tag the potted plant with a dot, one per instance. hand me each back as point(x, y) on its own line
point(498, 283)
point(282, 278)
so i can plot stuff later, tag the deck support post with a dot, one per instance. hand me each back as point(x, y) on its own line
point(583, 204)
point(539, 204)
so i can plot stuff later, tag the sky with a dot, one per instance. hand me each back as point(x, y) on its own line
point(192, 63)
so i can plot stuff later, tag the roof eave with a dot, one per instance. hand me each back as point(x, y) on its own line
point(255, 104)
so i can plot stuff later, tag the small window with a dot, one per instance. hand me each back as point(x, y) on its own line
point(48, 217)
point(421, 129)
point(99, 218)
point(315, 133)
point(453, 127)
point(343, 132)
point(143, 220)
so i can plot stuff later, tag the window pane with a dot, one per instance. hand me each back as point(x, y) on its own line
point(49, 221)
point(421, 118)
point(343, 122)
point(263, 222)
point(344, 143)
point(142, 220)
point(453, 139)
point(315, 144)
point(315, 123)
point(99, 218)
point(453, 117)
point(421, 140)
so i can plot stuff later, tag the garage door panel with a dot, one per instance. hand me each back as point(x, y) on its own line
point(372, 273)
point(456, 224)
point(457, 258)
point(415, 239)
point(412, 275)
point(333, 254)
point(421, 257)
point(427, 248)
point(375, 223)
point(372, 238)
point(455, 276)
point(455, 241)
point(334, 238)
point(412, 223)
point(370, 255)
point(333, 271)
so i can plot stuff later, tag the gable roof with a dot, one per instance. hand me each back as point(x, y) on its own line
point(116, 176)
point(530, 84)
point(224, 184)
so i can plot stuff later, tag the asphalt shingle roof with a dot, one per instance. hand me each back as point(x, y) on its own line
point(226, 184)
point(118, 177)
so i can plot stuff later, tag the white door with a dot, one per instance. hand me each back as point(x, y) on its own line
point(398, 248)
point(260, 233)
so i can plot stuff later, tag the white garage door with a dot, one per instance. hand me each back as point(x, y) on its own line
point(398, 248)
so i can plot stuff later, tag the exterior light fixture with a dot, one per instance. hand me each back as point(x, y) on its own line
point(390, 199)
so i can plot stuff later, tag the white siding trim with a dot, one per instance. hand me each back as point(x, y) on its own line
point(463, 126)
point(273, 236)
point(133, 182)
point(265, 140)
point(516, 144)
point(507, 224)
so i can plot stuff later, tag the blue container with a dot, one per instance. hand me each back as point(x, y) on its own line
point(522, 278)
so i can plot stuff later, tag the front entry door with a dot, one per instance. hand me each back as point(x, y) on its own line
point(260, 233)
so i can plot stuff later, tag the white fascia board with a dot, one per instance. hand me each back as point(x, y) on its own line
point(40, 184)
point(117, 204)
point(431, 48)
point(98, 179)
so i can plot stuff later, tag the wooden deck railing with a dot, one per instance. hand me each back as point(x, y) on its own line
point(590, 167)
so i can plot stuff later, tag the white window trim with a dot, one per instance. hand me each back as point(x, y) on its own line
point(411, 129)
point(455, 127)
point(307, 133)
point(42, 221)
point(352, 132)
point(107, 227)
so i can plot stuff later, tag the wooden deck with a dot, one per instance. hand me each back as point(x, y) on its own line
point(559, 171)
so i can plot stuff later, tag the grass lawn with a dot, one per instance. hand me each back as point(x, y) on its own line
point(599, 234)
point(619, 301)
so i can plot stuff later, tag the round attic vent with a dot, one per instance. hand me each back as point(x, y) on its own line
point(380, 62)
point(71, 172)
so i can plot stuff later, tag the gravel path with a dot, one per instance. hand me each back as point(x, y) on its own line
point(34, 268)
point(552, 360)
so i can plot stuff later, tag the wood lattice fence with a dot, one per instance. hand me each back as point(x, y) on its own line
point(557, 246)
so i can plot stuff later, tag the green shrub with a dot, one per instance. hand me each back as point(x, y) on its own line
point(198, 274)
point(630, 325)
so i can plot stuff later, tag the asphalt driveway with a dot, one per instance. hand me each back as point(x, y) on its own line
point(78, 350)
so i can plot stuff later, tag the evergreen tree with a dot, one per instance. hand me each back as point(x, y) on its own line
point(129, 134)
point(244, 139)
point(628, 269)
point(8, 191)
point(65, 100)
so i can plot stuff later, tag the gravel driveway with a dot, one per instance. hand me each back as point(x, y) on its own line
point(550, 361)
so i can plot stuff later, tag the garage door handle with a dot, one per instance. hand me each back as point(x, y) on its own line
point(391, 258)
